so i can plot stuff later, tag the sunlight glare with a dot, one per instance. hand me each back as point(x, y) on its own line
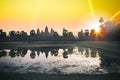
point(115, 15)
point(97, 30)
point(95, 25)
point(91, 8)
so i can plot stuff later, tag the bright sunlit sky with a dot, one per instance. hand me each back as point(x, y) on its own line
point(73, 15)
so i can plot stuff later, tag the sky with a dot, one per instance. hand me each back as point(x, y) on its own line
point(74, 15)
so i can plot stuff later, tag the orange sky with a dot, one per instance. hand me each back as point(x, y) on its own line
point(57, 14)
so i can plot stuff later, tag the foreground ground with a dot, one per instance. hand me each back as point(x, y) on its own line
point(58, 77)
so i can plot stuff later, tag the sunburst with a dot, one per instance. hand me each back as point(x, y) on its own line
point(91, 9)
point(117, 13)
point(95, 26)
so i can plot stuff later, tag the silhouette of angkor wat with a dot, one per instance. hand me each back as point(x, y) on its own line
point(108, 31)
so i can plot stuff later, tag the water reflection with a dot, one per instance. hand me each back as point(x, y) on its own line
point(53, 51)
point(17, 52)
point(57, 60)
point(2, 53)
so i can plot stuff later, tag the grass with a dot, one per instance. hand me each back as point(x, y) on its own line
point(110, 46)
point(35, 44)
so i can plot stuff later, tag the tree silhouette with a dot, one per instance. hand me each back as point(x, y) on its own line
point(32, 33)
point(101, 20)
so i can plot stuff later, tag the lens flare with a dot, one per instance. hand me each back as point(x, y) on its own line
point(91, 9)
point(95, 25)
point(115, 15)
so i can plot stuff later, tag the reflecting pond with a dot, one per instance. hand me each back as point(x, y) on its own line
point(58, 60)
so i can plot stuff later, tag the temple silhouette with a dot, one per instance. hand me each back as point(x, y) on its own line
point(108, 32)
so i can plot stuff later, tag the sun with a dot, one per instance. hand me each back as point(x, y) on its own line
point(97, 30)
point(95, 25)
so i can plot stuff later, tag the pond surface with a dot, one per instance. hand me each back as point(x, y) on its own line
point(58, 60)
